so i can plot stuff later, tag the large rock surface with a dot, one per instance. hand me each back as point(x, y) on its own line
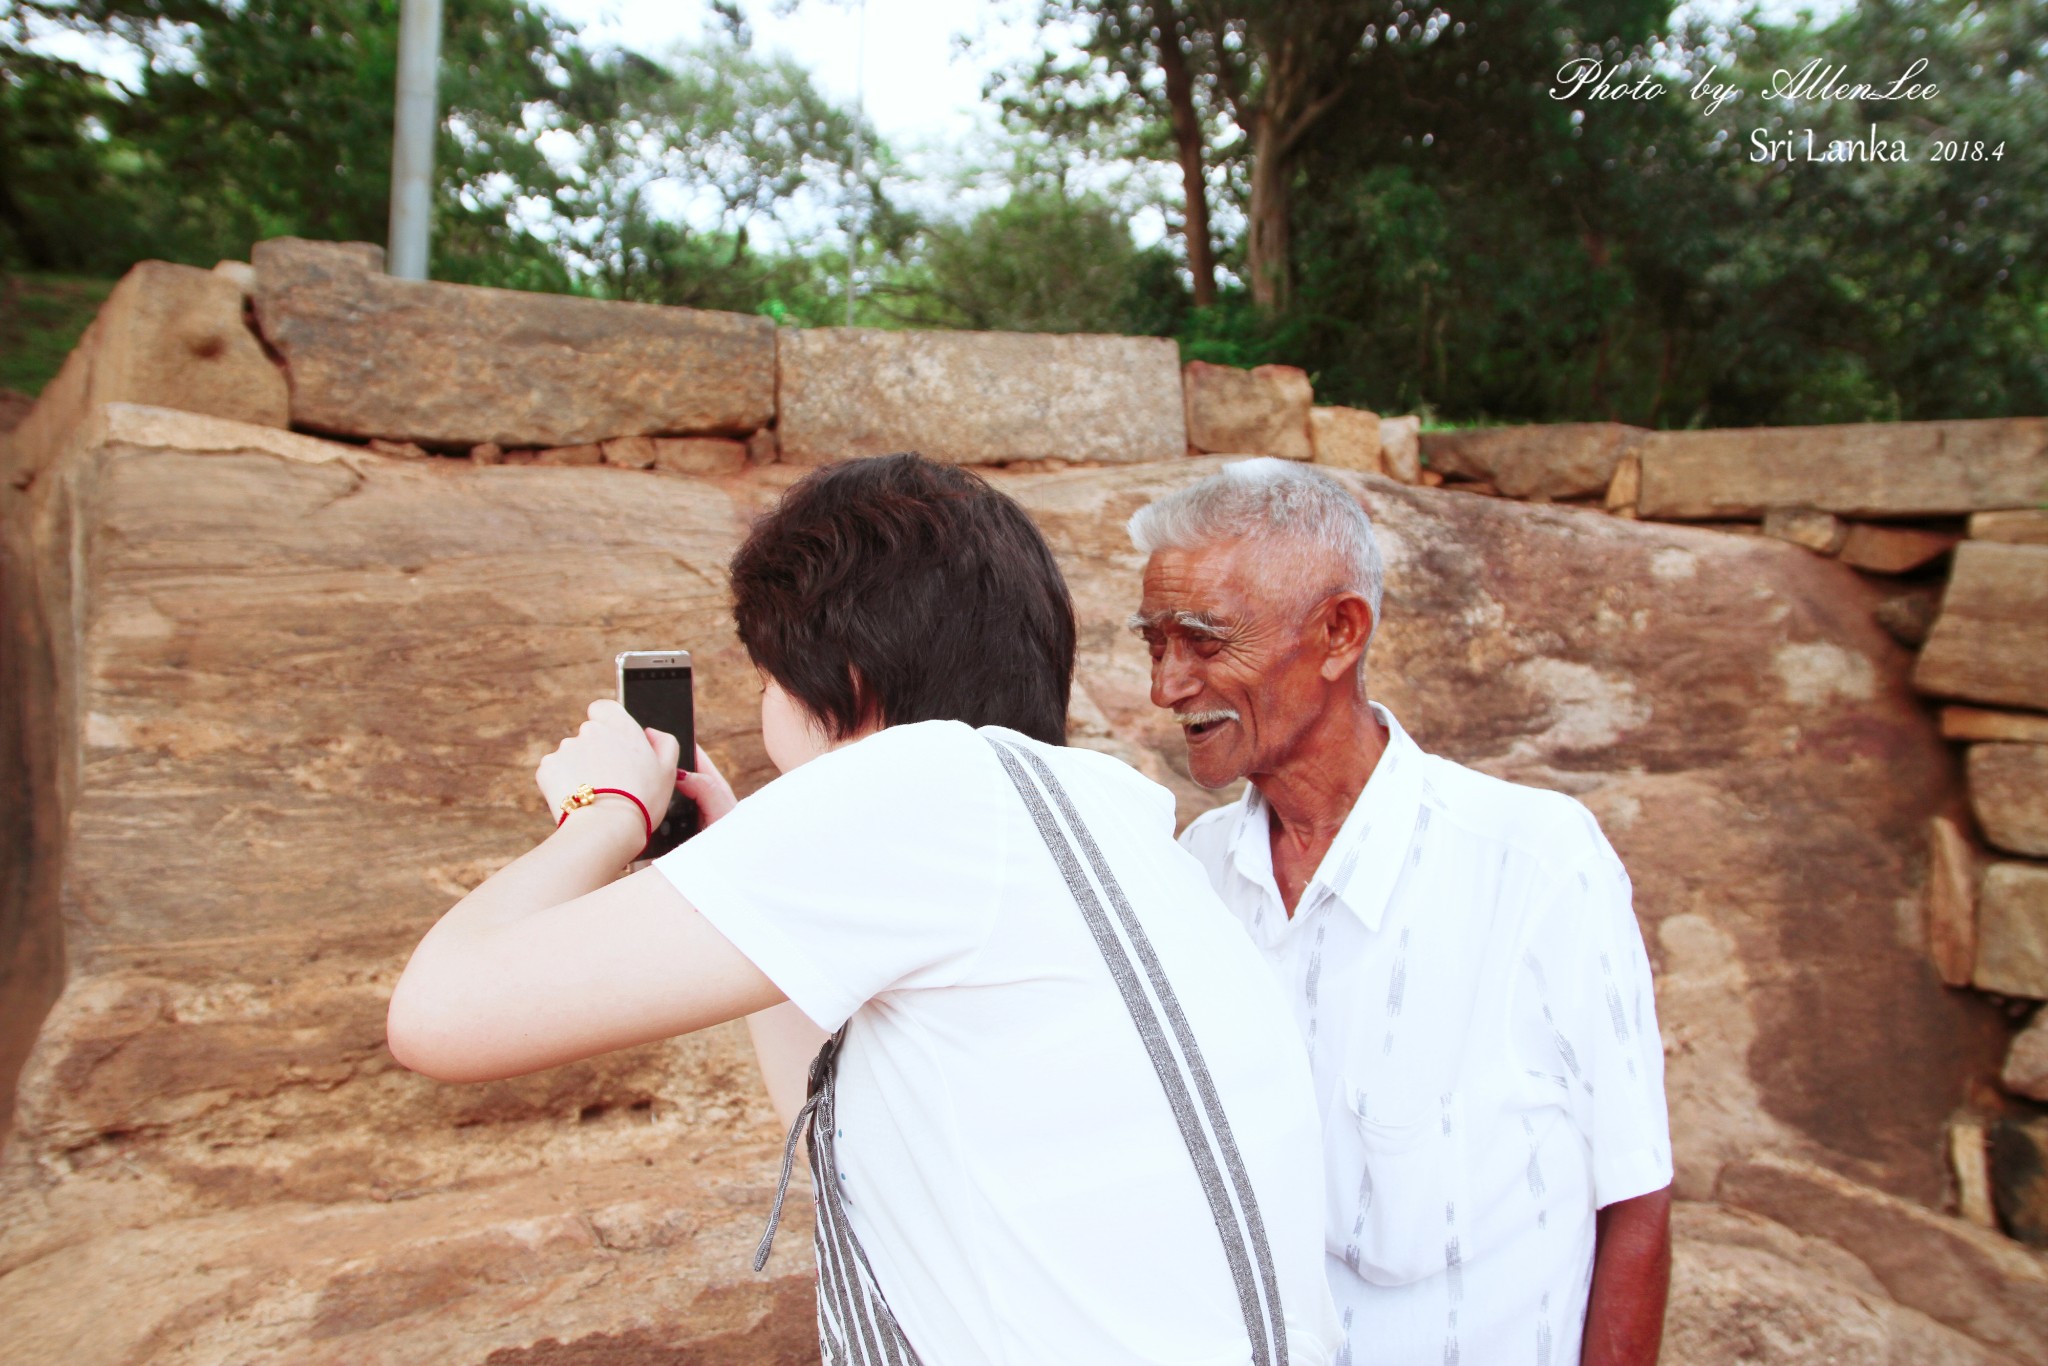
point(978, 398)
point(455, 366)
point(1261, 411)
point(297, 694)
point(1864, 469)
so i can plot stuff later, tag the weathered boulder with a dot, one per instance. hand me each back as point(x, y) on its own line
point(1867, 469)
point(2019, 1177)
point(1990, 643)
point(2012, 930)
point(1261, 411)
point(296, 695)
point(2026, 1063)
point(168, 335)
point(978, 398)
point(1951, 901)
point(1540, 463)
point(1348, 438)
point(1401, 448)
point(453, 365)
point(2009, 793)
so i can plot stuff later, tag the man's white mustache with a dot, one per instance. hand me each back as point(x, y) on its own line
point(1203, 718)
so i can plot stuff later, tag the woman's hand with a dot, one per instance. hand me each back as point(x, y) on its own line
point(611, 749)
point(707, 787)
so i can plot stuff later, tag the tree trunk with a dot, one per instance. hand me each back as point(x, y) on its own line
point(1271, 226)
point(1187, 138)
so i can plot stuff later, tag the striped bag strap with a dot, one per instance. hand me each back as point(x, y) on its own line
point(1169, 1043)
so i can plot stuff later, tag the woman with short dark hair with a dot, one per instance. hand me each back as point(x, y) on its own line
point(1059, 1113)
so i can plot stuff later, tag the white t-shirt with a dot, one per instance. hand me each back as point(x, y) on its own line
point(1007, 1155)
point(1468, 978)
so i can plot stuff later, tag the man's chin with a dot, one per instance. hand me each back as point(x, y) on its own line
point(1212, 760)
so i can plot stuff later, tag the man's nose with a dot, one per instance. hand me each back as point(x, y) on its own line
point(1174, 679)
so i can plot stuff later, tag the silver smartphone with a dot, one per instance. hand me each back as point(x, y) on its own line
point(655, 690)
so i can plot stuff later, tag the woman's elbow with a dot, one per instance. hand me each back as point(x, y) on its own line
point(425, 1040)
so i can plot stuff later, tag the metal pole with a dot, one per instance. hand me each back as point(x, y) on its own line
point(860, 107)
point(412, 140)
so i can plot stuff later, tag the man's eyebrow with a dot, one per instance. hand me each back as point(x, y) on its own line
point(1200, 623)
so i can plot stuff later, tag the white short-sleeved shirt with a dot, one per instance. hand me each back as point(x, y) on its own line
point(1469, 979)
point(1008, 1158)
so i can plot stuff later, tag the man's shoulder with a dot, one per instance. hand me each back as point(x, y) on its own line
point(1207, 835)
point(1552, 827)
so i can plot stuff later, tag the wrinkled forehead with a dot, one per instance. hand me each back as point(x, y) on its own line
point(1227, 580)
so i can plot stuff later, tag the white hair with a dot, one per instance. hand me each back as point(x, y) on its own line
point(1274, 500)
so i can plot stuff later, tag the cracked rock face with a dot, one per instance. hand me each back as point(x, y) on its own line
point(310, 687)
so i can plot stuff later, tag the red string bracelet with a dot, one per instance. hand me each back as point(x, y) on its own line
point(586, 794)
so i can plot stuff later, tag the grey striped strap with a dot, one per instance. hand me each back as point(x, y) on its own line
point(1177, 1061)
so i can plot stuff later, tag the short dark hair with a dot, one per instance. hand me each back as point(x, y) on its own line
point(932, 589)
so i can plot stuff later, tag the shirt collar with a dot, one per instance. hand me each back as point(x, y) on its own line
point(1365, 859)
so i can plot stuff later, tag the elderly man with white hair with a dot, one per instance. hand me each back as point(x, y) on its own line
point(1461, 953)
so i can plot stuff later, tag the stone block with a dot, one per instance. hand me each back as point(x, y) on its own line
point(1951, 901)
point(629, 452)
point(2012, 931)
point(2017, 526)
point(2026, 1063)
point(1871, 469)
point(1348, 438)
point(454, 365)
point(1626, 487)
point(1969, 1160)
point(169, 336)
point(699, 455)
point(764, 447)
point(1820, 532)
point(978, 398)
point(1536, 463)
point(1990, 643)
point(1907, 617)
point(589, 453)
point(1261, 411)
point(1401, 450)
point(1893, 549)
point(2009, 793)
point(1979, 723)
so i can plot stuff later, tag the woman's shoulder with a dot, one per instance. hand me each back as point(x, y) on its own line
point(1092, 777)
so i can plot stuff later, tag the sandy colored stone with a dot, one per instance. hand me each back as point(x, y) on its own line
point(168, 335)
point(1969, 1161)
point(1746, 1291)
point(699, 455)
point(487, 453)
point(1401, 451)
point(629, 452)
point(1968, 1279)
point(1908, 616)
point(764, 447)
point(1894, 549)
point(1348, 438)
point(1820, 532)
point(1541, 463)
point(1980, 723)
point(977, 398)
point(397, 450)
point(1625, 487)
point(2016, 526)
point(2026, 1063)
point(241, 272)
point(1951, 901)
point(2019, 1177)
point(2012, 930)
point(1990, 643)
point(1869, 469)
point(2009, 793)
point(1261, 411)
point(590, 453)
point(455, 365)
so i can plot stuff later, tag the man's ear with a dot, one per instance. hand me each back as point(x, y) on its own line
point(1347, 626)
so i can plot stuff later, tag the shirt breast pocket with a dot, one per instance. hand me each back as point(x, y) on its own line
point(1398, 1223)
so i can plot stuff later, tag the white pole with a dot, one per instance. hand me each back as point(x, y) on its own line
point(860, 105)
point(412, 141)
